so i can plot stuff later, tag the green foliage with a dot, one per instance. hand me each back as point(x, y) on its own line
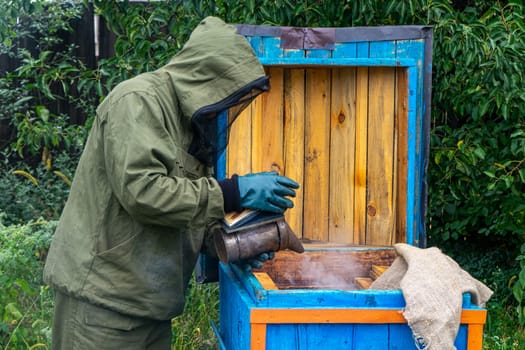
point(480, 73)
point(518, 289)
point(476, 186)
point(501, 330)
point(31, 192)
point(476, 175)
point(35, 132)
point(45, 73)
point(25, 303)
point(191, 329)
point(148, 35)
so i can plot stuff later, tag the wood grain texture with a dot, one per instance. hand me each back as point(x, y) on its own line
point(342, 155)
point(361, 150)
point(329, 269)
point(401, 154)
point(239, 154)
point(341, 133)
point(267, 151)
point(317, 154)
point(380, 204)
point(294, 95)
point(277, 315)
point(265, 280)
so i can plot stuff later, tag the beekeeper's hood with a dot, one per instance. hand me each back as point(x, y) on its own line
point(215, 71)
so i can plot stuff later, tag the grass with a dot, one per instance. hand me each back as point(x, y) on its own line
point(192, 329)
point(502, 331)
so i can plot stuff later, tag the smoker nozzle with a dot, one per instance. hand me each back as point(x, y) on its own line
point(249, 243)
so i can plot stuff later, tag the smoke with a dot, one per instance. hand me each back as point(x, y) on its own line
point(314, 272)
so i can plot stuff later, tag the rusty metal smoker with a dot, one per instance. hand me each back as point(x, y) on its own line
point(250, 242)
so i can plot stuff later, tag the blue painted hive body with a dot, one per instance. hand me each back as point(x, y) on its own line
point(347, 117)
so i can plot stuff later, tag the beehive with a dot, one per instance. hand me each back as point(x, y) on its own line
point(346, 117)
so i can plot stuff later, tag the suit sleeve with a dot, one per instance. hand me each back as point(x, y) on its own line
point(140, 156)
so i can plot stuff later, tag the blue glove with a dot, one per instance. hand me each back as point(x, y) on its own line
point(257, 262)
point(266, 191)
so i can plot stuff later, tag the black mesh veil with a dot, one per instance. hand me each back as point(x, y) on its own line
point(211, 124)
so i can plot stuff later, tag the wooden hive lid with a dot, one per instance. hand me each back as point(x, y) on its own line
point(347, 117)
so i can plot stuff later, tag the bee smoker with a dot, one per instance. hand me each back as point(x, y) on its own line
point(250, 242)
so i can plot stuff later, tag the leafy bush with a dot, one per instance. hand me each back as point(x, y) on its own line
point(39, 161)
point(477, 173)
point(39, 191)
point(25, 303)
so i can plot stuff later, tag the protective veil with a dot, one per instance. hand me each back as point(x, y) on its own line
point(211, 132)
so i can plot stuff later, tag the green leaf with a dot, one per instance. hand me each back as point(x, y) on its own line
point(480, 153)
point(521, 172)
point(437, 158)
point(490, 173)
point(517, 291)
point(43, 113)
point(509, 180)
point(12, 310)
point(22, 100)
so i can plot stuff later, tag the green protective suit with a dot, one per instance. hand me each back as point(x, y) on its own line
point(136, 218)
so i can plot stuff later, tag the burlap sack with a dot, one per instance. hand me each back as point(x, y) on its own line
point(433, 285)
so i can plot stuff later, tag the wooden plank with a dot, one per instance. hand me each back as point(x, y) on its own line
point(400, 337)
point(345, 50)
point(342, 155)
point(380, 211)
point(475, 337)
point(474, 316)
point(272, 47)
point(377, 271)
point(317, 53)
point(265, 280)
point(257, 133)
point(382, 48)
point(343, 315)
point(340, 315)
point(258, 336)
point(363, 49)
point(238, 155)
point(257, 44)
point(363, 282)
point(402, 155)
point(294, 80)
point(375, 336)
point(267, 127)
point(317, 154)
point(417, 138)
point(325, 269)
point(361, 148)
point(318, 336)
point(414, 204)
point(309, 336)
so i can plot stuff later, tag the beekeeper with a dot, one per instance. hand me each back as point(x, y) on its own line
point(143, 195)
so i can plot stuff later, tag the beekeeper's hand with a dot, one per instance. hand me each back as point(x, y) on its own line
point(257, 262)
point(267, 191)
